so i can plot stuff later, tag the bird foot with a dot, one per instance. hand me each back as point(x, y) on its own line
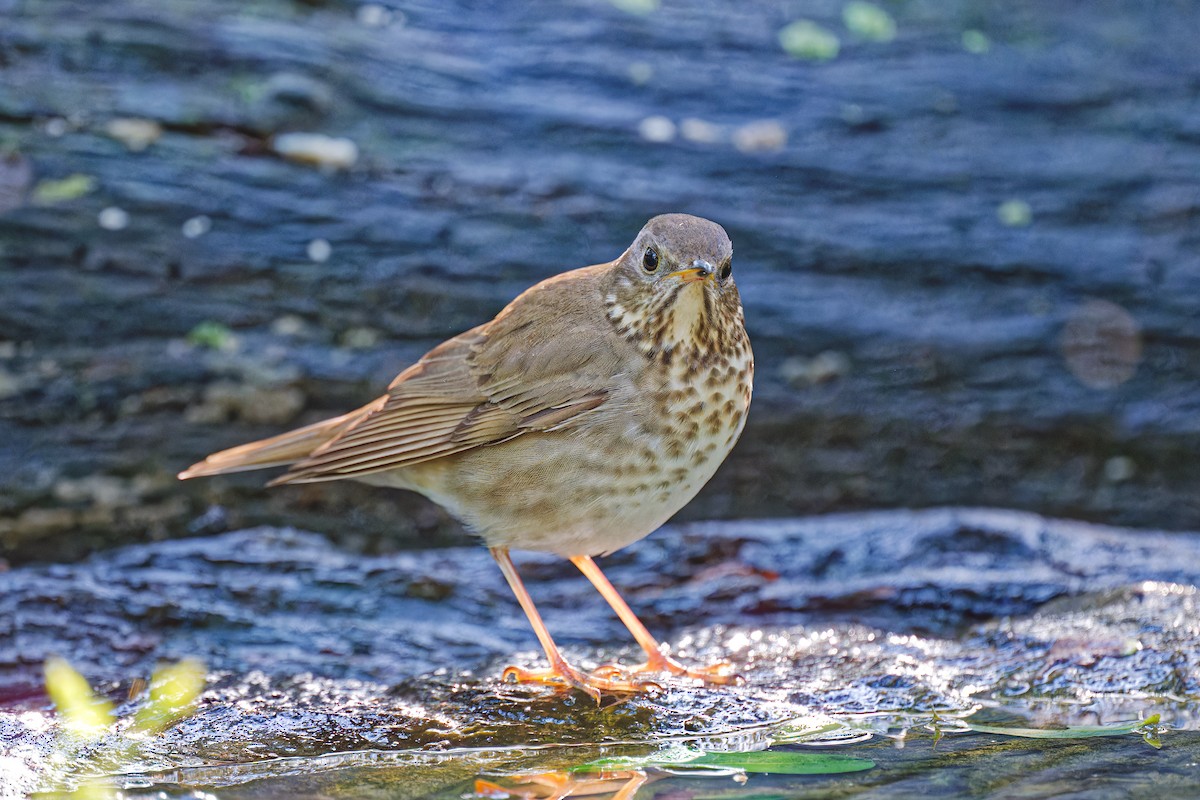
point(594, 685)
point(718, 674)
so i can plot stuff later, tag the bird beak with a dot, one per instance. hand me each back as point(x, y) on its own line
point(699, 270)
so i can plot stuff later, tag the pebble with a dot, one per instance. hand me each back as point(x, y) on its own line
point(821, 368)
point(10, 385)
point(360, 338)
point(55, 127)
point(657, 129)
point(762, 136)
point(373, 15)
point(640, 73)
point(699, 131)
point(113, 218)
point(1119, 469)
point(197, 226)
point(289, 325)
point(316, 149)
point(1014, 213)
point(135, 133)
point(319, 250)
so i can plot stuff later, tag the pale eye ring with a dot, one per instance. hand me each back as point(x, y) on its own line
point(650, 259)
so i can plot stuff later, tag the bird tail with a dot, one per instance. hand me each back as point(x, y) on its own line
point(277, 451)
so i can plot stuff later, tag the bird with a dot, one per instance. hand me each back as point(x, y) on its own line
point(577, 421)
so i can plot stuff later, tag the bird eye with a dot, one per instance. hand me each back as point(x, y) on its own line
point(726, 270)
point(650, 260)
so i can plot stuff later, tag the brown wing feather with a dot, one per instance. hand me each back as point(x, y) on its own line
point(481, 388)
point(286, 448)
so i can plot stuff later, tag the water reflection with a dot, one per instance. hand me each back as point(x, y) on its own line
point(621, 784)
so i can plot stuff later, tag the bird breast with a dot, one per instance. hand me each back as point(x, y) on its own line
point(609, 480)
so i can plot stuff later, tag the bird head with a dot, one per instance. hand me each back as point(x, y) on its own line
point(673, 289)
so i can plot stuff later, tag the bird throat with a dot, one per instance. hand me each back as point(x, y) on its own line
point(685, 321)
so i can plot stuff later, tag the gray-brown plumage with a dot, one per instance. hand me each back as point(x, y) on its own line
point(590, 410)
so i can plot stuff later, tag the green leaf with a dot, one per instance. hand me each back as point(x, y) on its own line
point(869, 21)
point(808, 40)
point(640, 7)
point(82, 712)
point(49, 192)
point(212, 335)
point(975, 41)
point(781, 762)
point(785, 762)
point(1014, 213)
point(1074, 732)
point(673, 755)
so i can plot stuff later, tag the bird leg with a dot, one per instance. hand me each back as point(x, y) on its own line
point(620, 784)
point(656, 660)
point(559, 672)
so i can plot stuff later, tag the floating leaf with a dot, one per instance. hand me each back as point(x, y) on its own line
point(1073, 732)
point(50, 192)
point(806, 39)
point(636, 6)
point(82, 712)
point(1015, 213)
point(674, 754)
point(818, 728)
point(213, 335)
point(780, 762)
point(975, 41)
point(869, 21)
point(173, 690)
point(785, 762)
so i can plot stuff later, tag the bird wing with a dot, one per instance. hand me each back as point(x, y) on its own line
point(277, 451)
point(487, 386)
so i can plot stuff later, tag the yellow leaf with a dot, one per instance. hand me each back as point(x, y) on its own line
point(173, 690)
point(808, 40)
point(50, 192)
point(81, 711)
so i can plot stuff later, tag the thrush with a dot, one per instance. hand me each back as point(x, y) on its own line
point(577, 421)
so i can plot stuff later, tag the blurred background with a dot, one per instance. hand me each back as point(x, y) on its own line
point(965, 233)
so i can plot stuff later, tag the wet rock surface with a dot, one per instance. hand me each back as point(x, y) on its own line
point(335, 670)
point(922, 233)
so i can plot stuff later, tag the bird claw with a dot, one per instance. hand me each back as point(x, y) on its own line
point(593, 685)
point(719, 674)
point(610, 671)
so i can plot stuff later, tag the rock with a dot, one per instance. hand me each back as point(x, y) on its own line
point(136, 134)
point(318, 150)
point(868, 229)
point(869, 622)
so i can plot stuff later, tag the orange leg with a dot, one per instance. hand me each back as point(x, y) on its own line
point(560, 672)
point(656, 660)
point(622, 785)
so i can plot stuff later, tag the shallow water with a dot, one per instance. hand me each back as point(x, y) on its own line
point(880, 637)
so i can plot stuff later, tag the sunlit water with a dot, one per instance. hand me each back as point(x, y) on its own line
point(328, 677)
point(850, 688)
